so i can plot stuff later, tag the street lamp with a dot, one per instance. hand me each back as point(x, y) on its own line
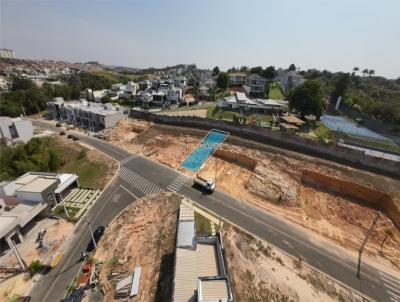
point(365, 241)
point(91, 233)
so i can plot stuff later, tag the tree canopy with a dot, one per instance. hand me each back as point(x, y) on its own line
point(38, 155)
point(223, 80)
point(258, 70)
point(308, 98)
point(292, 67)
point(269, 72)
point(215, 71)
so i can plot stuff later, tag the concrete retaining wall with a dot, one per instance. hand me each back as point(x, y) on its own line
point(336, 153)
point(371, 197)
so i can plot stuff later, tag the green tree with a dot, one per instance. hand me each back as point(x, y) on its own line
point(244, 69)
point(308, 98)
point(257, 70)
point(223, 80)
point(106, 99)
point(365, 71)
point(269, 72)
point(21, 84)
point(292, 67)
point(371, 72)
point(341, 86)
point(215, 71)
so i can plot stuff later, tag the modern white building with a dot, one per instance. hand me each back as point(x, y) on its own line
point(88, 115)
point(15, 130)
point(28, 196)
point(239, 101)
point(174, 95)
point(180, 82)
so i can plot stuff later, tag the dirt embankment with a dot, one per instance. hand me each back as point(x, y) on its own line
point(143, 235)
point(260, 272)
point(275, 185)
point(371, 197)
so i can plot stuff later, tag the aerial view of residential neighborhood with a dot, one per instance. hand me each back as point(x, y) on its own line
point(199, 151)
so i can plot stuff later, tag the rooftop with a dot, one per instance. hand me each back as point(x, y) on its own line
point(190, 265)
point(39, 184)
point(291, 119)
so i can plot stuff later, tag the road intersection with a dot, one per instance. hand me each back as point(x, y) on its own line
point(139, 177)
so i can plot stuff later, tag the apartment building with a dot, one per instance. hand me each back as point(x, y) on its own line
point(237, 78)
point(255, 85)
point(15, 129)
point(84, 114)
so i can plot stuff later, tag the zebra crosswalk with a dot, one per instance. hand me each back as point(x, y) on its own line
point(178, 182)
point(142, 184)
point(126, 159)
point(392, 285)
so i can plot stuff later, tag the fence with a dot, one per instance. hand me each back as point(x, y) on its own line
point(332, 152)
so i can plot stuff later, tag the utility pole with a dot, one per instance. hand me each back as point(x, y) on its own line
point(23, 110)
point(365, 241)
point(91, 232)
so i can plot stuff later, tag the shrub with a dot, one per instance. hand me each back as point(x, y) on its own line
point(35, 267)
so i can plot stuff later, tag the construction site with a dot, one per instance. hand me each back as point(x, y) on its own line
point(336, 202)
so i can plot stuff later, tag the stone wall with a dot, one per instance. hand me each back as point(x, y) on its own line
point(371, 197)
point(336, 153)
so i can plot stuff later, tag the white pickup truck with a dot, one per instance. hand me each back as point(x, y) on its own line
point(205, 185)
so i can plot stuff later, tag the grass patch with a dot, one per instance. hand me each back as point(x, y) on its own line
point(115, 77)
point(275, 91)
point(322, 131)
point(91, 173)
point(203, 225)
point(60, 212)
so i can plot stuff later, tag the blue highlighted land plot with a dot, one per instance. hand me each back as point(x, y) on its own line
point(204, 150)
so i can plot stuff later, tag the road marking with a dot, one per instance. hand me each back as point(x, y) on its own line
point(178, 183)
point(393, 294)
point(129, 192)
point(393, 283)
point(127, 159)
point(287, 243)
point(392, 288)
point(143, 185)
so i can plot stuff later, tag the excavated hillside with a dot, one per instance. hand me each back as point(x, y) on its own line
point(272, 179)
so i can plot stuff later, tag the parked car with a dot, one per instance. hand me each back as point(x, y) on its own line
point(97, 234)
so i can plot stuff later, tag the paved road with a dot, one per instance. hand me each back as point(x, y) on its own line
point(140, 176)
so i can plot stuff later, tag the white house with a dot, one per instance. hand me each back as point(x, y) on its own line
point(289, 80)
point(174, 95)
point(241, 102)
point(15, 129)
